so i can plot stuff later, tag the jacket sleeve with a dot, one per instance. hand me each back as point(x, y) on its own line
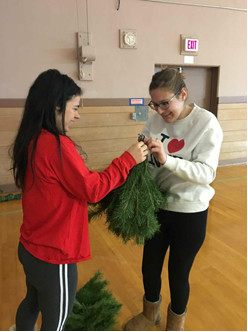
point(82, 183)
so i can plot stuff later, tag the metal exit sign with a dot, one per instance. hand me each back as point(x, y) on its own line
point(191, 45)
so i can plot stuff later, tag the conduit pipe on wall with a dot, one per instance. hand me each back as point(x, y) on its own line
point(198, 5)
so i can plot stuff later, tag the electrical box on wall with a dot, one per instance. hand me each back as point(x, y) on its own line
point(128, 38)
point(141, 113)
point(86, 56)
point(189, 44)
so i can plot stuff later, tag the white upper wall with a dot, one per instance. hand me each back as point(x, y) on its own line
point(36, 35)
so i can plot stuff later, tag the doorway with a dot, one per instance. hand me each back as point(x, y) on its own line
point(202, 84)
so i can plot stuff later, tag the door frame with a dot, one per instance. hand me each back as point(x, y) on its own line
point(215, 74)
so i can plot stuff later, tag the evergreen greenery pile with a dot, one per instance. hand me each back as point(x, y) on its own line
point(131, 208)
point(9, 196)
point(94, 308)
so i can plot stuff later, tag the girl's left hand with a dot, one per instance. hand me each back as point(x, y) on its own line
point(157, 149)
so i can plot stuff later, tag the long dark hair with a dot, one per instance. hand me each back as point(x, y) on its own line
point(49, 94)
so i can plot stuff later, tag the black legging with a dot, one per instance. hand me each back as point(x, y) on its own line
point(184, 233)
point(51, 289)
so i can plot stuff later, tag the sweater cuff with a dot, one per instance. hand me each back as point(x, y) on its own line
point(170, 163)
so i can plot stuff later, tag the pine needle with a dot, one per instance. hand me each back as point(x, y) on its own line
point(131, 209)
point(94, 308)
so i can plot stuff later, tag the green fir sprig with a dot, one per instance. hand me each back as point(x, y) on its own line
point(131, 208)
point(94, 308)
point(9, 196)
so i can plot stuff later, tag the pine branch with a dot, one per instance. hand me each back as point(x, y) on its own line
point(131, 209)
point(94, 308)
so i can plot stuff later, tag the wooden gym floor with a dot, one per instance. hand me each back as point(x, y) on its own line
point(218, 280)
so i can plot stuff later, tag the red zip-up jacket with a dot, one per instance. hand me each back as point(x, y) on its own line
point(55, 218)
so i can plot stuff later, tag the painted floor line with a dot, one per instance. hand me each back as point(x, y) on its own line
point(10, 212)
point(231, 179)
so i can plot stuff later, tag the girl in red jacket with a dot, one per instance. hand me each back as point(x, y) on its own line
point(56, 187)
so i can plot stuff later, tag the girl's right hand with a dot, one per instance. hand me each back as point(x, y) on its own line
point(139, 151)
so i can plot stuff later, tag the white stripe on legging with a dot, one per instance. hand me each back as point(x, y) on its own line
point(66, 296)
point(63, 284)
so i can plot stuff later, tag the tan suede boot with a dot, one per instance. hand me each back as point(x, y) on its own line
point(149, 317)
point(175, 322)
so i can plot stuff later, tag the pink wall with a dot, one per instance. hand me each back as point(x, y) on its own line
point(39, 34)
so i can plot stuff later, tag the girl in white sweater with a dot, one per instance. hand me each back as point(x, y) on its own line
point(184, 141)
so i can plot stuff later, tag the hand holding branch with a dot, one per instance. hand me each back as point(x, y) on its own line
point(156, 149)
point(139, 151)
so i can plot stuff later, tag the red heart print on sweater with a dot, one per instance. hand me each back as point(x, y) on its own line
point(174, 145)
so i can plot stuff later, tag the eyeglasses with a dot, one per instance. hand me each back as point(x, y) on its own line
point(164, 105)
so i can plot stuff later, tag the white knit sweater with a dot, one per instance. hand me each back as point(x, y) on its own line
point(192, 145)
